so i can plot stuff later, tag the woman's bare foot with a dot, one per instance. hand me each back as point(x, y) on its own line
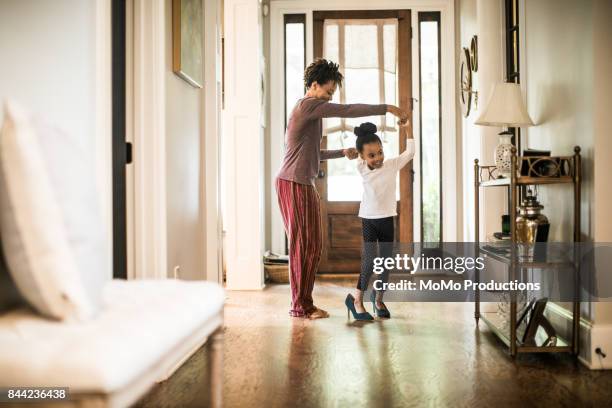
point(318, 314)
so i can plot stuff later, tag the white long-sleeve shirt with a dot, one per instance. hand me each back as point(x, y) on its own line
point(378, 199)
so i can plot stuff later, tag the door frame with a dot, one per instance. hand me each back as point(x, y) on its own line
point(277, 96)
point(404, 72)
point(103, 119)
point(146, 130)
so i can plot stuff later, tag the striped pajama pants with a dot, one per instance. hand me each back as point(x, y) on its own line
point(301, 211)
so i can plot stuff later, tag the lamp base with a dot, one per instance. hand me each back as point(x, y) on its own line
point(503, 155)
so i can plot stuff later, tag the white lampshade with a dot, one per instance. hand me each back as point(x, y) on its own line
point(505, 107)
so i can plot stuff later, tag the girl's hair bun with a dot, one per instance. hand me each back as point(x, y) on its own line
point(364, 129)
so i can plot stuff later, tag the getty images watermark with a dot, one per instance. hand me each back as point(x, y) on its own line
point(457, 271)
point(459, 265)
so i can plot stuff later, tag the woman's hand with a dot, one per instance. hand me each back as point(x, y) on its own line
point(350, 153)
point(400, 113)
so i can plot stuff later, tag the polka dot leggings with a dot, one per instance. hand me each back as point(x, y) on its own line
point(378, 237)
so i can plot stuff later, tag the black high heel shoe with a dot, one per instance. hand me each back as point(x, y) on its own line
point(382, 313)
point(350, 306)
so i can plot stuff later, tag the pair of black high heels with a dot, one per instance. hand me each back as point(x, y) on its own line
point(380, 313)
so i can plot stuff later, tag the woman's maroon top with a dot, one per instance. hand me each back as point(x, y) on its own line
point(305, 130)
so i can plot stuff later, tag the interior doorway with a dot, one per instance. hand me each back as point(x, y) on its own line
point(373, 49)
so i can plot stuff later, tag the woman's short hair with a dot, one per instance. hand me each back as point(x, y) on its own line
point(322, 71)
point(366, 133)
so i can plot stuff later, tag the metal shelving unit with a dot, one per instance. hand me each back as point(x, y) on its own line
point(560, 170)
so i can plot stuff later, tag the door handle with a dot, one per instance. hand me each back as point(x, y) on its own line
point(321, 174)
point(128, 153)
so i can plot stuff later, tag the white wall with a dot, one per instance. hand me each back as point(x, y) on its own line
point(482, 18)
point(183, 157)
point(468, 142)
point(48, 60)
point(559, 88)
point(55, 61)
point(602, 129)
point(569, 87)
point(175, 130)
point(192, 157)
point(490, 31)
point(560, 100)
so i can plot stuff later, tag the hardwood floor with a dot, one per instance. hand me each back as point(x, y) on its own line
point(427, 355)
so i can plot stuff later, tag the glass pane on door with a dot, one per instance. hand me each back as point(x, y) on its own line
point(370, 76)
point(430, 131)
point(294, 64)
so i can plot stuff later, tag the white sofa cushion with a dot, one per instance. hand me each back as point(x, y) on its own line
point(51, 226)
point(141, 322)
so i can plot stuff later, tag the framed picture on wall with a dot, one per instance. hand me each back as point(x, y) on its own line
point(187, 47)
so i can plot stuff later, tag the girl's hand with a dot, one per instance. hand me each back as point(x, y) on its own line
point(350, 153)
point(403, 124)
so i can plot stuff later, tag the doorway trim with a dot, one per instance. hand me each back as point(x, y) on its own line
point(277, 94)
point(146, 121)
point(103, 121)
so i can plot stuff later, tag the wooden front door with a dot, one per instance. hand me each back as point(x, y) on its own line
point(373, 49)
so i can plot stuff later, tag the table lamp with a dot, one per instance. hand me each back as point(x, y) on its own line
point(504, 108)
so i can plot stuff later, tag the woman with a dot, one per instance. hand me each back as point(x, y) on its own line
point(297, 196)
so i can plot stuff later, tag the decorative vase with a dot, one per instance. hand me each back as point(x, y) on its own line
point(531, 225)
point(503, 154)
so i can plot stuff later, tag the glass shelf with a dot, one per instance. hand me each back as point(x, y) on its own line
point(502, 252)
point(528, 181)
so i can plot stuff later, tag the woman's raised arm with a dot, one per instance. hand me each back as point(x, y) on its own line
point(318, 109)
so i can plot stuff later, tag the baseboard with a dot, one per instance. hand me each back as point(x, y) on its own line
point(592, 336)
point(601, 337)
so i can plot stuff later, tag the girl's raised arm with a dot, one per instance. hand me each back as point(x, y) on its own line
point(404, 158)
point(406, 155)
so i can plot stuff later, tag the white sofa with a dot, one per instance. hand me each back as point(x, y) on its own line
point(145, 331)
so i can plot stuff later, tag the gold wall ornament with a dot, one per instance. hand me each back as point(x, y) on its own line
point(474, 53)
point(466, 83)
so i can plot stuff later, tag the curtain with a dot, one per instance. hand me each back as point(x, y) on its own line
point(366, 51)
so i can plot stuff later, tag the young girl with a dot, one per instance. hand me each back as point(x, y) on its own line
point(297, 197)
point(377, 209)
